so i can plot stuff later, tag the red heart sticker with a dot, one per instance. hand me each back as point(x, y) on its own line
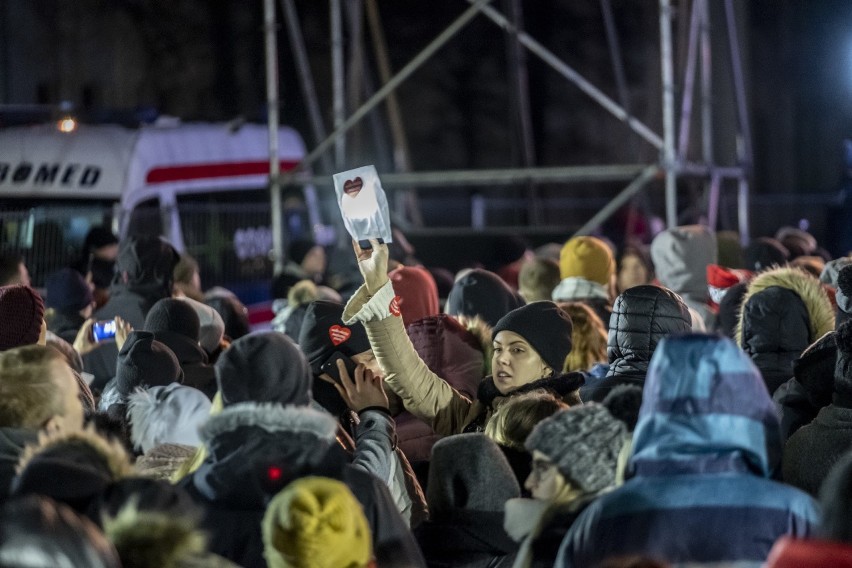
point(352, 187)
point(394, 306)
point(338, 334)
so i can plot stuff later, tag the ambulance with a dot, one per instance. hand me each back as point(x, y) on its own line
point(202, 186)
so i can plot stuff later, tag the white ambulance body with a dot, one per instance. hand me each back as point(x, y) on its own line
point(203, 186)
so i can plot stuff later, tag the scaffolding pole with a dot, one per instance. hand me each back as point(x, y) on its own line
point(271, 46)
point(689, 83)
point(573, 76)
point(623, 197)
point(744, 147)
point(389, 87)
point(306, 80)
point(339, 106)
point(668, 112)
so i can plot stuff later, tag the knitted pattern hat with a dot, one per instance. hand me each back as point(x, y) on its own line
point(484, 294)
point(264, 367)
point(843, 295)
point(583, 442)
point(469, 472)
point(417, 291)
point(843, 366)
point(144, 362)
point(173, 315)
point(316, 522)
point(545, 326)
point(323, 332)
point(21, 316)
point(67, 291)
point(587, 257)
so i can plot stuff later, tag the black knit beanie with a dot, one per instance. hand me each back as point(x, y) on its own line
point(145, 362)
point(170, 314)
point(765, 252)
point(484, 294)
point(67, 291)
point(323, 332)
point(843, 366)
point(264, 367)
point(545, 326)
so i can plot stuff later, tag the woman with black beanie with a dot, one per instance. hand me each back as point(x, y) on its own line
point(530, 347)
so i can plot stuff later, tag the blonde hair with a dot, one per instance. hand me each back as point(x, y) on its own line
point(28, 393)
point(588, 337)
point(514, 419)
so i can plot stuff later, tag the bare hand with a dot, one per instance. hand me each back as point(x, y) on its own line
point(373, 264)
point(84, 342)
point(364, 391)
point(122, 330)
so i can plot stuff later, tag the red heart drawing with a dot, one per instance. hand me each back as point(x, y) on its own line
point(352, 187)
point(394, 306)
point(338, 334)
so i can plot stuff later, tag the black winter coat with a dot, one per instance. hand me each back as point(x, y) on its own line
point(814, 449)
point(641, 317)
point(466, 539)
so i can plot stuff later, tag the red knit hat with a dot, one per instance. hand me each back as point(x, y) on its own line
point(417, 291)
point(21, 316)
point(719, 279)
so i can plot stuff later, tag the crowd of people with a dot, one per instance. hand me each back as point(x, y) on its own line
point(682, 402)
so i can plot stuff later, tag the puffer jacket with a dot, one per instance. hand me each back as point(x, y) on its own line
point(425, 394)
point(641, 317)
point(783, 312)
point(704, 448)
point(457, 353)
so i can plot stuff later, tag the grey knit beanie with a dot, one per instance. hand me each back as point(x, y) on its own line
point(583, 442)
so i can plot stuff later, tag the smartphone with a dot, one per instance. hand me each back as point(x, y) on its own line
point(103, 330)
point(330, 366)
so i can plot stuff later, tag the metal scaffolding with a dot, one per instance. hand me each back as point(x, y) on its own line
point(673, 145)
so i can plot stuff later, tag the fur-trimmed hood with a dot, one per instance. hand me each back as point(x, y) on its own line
point(113, 454)
point(783, 312)
point(245, 440)
point(270, 418)
point(813, 295)
point(560, 385)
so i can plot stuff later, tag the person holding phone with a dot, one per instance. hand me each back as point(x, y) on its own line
point(348, 383)
point(530, 343)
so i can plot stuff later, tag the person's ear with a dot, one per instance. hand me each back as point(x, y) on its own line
point(547, 372)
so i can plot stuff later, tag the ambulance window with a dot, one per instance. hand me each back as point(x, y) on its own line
point(145, 219)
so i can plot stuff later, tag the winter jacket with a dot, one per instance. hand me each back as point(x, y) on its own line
point(782, 299)
point(12, 442)
point(642, 316)
point(813, 450)
point(466, 539)
point(455, 353)
point(193, 360)
point(256, 449)
point(425, 394)
point(703, 450)
point(681, 256)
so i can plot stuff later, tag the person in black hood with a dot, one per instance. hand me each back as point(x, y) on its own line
point(143, 276)
point(97, 261)
point(176, 325)
point(469, 484)
point(266, 436)
point(641, 317)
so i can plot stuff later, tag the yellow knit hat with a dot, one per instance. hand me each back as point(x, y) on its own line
point(587, 257)
point(316, 522)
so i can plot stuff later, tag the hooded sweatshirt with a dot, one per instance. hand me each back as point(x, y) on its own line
point(681, 256)
point(705, 446)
